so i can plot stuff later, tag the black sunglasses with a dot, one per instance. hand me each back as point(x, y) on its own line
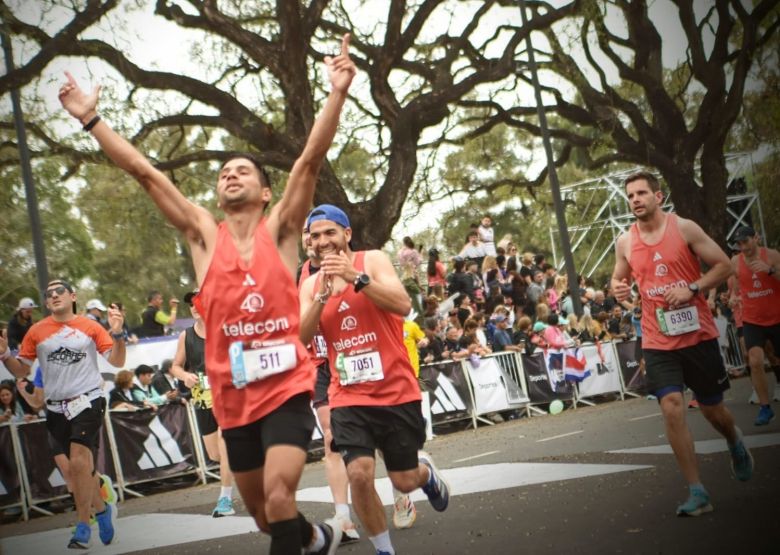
point(59, 290)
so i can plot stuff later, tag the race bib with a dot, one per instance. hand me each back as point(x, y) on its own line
point(203, 381)
point(73, 408)
point(679, 321)
point(365, 367)
point(257, 364)
point(320, 346)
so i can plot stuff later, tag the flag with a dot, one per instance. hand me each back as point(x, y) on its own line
point(574, 365)
point(553, 359)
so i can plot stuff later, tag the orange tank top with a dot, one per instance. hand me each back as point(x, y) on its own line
point(255, 304)
point(358, 333)
point(657, 268)
point(760, 293)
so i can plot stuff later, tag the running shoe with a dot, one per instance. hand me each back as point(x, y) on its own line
point(106, 522)
point(698, 503)
point(349, 533)
point(741, 461)
point(224, 508)
point(331, 528)
point(107, 491)
point(693, 404)
point(437, 489)
point(80, 538)
point(765, 416)
point(753, 398)
point(404, 513)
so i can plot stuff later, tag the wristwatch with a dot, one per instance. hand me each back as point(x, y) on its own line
point(361, 280)
point(694, 288)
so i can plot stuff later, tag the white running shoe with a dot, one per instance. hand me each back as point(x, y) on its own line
point(349, 533)
point(404, 512)
point(754, 397)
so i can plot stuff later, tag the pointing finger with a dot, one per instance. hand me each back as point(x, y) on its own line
point(71, 79)
point(345, 44)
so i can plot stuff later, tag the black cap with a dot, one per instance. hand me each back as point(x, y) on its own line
point(189, 296)
point(743, 233)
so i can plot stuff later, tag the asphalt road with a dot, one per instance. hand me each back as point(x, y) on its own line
point(524, 486)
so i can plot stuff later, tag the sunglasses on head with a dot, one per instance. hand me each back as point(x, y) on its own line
point(59, 290)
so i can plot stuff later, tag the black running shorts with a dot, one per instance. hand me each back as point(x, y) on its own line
point(290, 424)
point(397, 431)
point(83, 429)
point(699, 366)
point(757, 336)
point(207, 424)
point(321, 385)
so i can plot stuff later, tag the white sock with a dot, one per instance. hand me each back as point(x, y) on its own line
point(382, 542)
point(319, 540)
point(342, 511)
point(226, 492)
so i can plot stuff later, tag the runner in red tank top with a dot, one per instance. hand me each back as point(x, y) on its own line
point(758, 286)
point(260, 374)
point(359, 302)
point(679, 338)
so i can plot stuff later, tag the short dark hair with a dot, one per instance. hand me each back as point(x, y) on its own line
point(408, 242)
point(152, 294)
point(144, 369)
point(430, 323)
point(651, 179)
point(265, 180)
point(538, 258)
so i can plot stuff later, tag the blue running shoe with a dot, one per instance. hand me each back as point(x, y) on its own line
point(437, 489)
point(741, 459)
point(80, 538)
point(765, 416)
point(697, 504)
point(106, 522)
point(224, 508)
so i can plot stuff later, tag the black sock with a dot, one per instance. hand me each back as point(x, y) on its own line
point(307, 533)
point(285, 537)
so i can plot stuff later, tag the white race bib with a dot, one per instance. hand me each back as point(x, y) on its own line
point(257, 364)
point(73, 408)
point(680, 321)
point(365, 367)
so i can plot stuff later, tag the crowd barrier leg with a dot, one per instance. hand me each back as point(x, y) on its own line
point(120, 477)
point(25, 495)
point(623, 391)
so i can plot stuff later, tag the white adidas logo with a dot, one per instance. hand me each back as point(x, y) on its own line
point(343, 306)
point(657, 257)
point(248, 281)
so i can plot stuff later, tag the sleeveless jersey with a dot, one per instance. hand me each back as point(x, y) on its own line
point(255, 304)
point(353, 325)
point(318, 350)
point(760, 293)
point(195, 362)
point(656, 269)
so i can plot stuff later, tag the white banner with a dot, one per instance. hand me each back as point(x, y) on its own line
point(604, 374)
point(490, 391)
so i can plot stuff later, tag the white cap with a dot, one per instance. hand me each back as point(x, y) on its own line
point(95, 303)
point(27, 302)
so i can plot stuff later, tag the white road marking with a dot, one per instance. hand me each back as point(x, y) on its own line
point(153, 531)
point(559, 436)
point(645, 416)
point(476, 456)
point(706, 447)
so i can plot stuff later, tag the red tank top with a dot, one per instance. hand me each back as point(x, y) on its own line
point(318, 351)
point(657, 268)
point(760, 293)
point(353, 325)
point(256, 304)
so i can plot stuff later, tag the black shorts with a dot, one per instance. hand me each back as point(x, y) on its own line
point(638, 352)
point(321, 385)
point(397, 431)
point(83, 429)
point(290, 424)
point(207, 424)
point(757, 336)
point(699, 366)
point(55, 446)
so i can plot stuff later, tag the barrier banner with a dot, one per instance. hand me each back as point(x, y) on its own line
point(492, 386)
point(633, 378)
point(10, 488)
point(154, 445)
point(544, 386)
point(604, 376)
point(450, 397)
